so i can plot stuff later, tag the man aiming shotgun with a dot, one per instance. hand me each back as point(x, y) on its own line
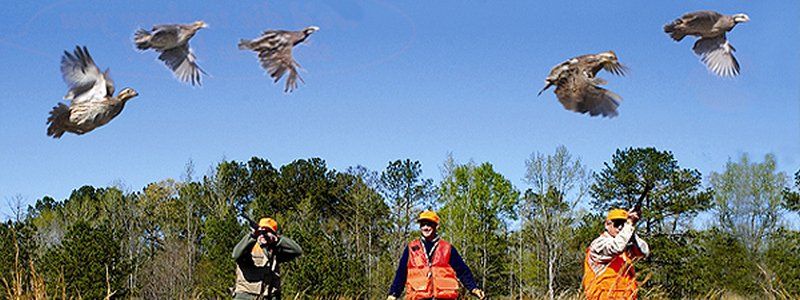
point(608, 268)
point(258, 256)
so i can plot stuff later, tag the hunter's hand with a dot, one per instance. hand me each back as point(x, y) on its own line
point(268, 239)
point(272, 238)
point(478, 293)
point(391, 297)
point(254, 233)
point(633, 217)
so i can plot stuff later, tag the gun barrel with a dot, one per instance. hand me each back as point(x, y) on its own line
point(253, 224)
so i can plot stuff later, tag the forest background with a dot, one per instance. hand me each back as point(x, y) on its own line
point(736, 234)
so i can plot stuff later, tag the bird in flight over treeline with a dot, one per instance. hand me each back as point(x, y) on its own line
point(713, 47)
point(91, 96)
point(274, 49)
point(577, 87)
point(172, 41)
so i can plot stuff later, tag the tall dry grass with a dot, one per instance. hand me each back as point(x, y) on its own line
point(36, 289)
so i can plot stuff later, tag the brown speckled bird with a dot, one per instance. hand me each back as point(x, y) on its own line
point(274, 49)
point(712, 47)
point(172, 41)
point(91, 95)
point(577, 87)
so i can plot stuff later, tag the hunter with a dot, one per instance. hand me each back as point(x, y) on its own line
point(608, 269)
point(430, 268)
point(257, 257)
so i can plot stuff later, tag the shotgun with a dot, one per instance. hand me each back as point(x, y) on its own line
point(253, 224)
point(637, 207)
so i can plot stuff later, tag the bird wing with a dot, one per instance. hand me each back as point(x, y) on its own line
point(278, 62)
point(700, 21)
point(183, 64)
point(717, 54)
point(616, 68)
point(581, 94)
point(164, 36)
point(273, 40)
point(84, 79)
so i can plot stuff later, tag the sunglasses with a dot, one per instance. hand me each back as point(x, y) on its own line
point(263, 230)
point(429, 224)
point(619, 223)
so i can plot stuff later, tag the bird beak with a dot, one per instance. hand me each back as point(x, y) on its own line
point(129, 92)
point(742, 18)
point(314, 28)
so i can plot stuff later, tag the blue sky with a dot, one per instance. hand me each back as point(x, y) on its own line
point(390, 80)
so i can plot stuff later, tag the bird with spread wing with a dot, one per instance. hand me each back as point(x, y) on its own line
point(274, 49)
point(91, 95)
point(577, 87)
point(713, 47)
point(172, 41)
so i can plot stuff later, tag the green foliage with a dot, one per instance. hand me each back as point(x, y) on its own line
point(558, 182)
point(672, 264)
point(403, 186)
point(782, 261)
point(85, 254)
point(215, 266)
point(791, 199)
point(589, 227)
point(476, 202)
point(670, 194)
point(748, 197)
point(724, 262)
point(173, 239)
point(18, 249)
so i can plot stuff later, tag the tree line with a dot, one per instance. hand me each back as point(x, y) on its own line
point(736, 234)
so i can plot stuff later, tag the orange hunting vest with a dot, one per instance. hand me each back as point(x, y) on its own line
point(616, 281)
point(430, 279)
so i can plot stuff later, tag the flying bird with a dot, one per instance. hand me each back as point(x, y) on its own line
point(172, 41)
point(91, 95)
point(713, 47)
point(274, 49)
point(577, 87)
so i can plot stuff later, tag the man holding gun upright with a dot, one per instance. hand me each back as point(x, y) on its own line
point(608, 269)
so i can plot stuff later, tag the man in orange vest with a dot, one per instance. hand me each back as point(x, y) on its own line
point(429, 266)
point(608, 269)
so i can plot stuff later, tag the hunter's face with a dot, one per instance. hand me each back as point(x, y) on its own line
point(428, 229)
point(614, 226)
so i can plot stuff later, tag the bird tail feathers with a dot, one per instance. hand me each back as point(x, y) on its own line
point(142, 39)
point(675, 34)
point(58, 117)
point(548, 85)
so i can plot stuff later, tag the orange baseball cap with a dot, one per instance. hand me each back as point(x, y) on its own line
point(429, 216)
point(617, 214)
point(268, 223)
